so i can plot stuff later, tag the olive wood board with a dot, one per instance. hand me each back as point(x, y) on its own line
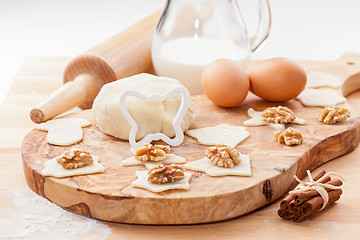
point(109, 196)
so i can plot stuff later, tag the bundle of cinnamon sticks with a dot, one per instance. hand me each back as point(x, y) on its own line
point(298, 205)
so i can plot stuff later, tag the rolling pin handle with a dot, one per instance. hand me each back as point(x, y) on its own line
point(70, 95)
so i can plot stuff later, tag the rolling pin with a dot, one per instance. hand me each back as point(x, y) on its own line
point(125, 54)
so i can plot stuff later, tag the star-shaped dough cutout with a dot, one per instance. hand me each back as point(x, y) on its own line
point(54, 169)
point(206, 166)
point(220, 134)
point(320, 98)
point(256, 120)
point(170, 159)
point(142, 182)
point(320, 79)
point(64, 131)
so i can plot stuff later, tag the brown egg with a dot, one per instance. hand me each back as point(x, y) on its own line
point(225, 83)
point(277, 79)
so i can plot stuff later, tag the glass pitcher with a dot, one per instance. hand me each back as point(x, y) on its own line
point(192, 33)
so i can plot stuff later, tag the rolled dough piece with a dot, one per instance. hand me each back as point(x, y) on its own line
point(320, 98)
point(170, 159)
point(256, 120)
point(220, 134)
point(206, 166)
point(142, 182)
point(320, 79)
point(54, 169)
point(151, 117)
point(64, 131)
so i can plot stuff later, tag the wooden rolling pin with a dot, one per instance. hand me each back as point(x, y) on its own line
point(123, 55)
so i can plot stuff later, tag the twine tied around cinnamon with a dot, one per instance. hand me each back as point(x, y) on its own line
point(317, 186)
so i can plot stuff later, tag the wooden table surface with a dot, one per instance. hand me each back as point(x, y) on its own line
point(39, 77)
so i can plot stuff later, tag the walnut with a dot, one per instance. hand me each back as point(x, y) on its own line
point(278, 114)
point(331, 115)
point(290, 136)
point(154, 153)
point(223, 156)
point(75, 158)
point(165, 174)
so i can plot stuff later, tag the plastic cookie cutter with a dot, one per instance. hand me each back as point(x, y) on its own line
point(179, 135)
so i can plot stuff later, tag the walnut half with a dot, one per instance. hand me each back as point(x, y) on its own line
point(75, 158)
point(165, 174)
point(278, 114)
point(154, 153)
point(331, 115)
point(223, 156)
point(290, 136)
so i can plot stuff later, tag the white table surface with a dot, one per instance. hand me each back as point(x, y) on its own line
point(301, 29)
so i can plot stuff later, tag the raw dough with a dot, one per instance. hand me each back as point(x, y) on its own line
point(320, 79)
point(151, 117)
point(220, 134)
point(320, 98)
point(205, 165)
point(256, 120)
point(54, 169)
point(64, 131)
point(142, 182)
point(170, 159)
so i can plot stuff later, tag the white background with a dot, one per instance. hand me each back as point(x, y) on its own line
point(301, 29)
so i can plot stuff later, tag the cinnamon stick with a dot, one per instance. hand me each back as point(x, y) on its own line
point(284, 213)
point(297, 206)
point(294, 207)
point(316, 203)
point(286, 201)
point(319, 175)
point(297, 217)
point(303, 197)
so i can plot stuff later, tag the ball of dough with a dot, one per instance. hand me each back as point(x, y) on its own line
point(151, 117)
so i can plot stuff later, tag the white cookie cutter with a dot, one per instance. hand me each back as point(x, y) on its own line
point(179, 135)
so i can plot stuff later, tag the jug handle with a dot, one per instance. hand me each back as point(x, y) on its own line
point(264, 25)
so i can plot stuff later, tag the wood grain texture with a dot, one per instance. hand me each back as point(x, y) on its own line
point(110, 197)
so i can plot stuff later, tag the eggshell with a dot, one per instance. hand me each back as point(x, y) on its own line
point(277, 79)
point(225, 83)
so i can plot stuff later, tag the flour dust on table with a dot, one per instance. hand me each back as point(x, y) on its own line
point(30, 216)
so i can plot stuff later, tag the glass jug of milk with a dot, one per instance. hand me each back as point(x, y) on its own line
point(192, 33)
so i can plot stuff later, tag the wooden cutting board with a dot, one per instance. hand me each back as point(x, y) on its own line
point(109, 196)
